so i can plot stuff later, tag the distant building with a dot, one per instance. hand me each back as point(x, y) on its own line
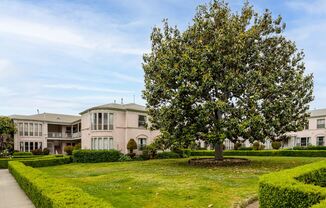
point(107, 126)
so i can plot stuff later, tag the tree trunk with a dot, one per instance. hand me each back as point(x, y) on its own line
point(219, 151)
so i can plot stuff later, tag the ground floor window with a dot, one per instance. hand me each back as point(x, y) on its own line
point(320, 141)
point(304, 141)
point(28, 146)
point(142, 143)
point(102, 143)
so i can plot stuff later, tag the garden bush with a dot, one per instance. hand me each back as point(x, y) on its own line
point(37, 152)
point(125, 158)
point(276, 145)
point(68, 149)
point(294, 188)
point(95, 156)
point(291, 153)
point(167, 155)
point(4, 161)
point(245, 148)
point(47, 161)
point(46, 151)
point(51, 192)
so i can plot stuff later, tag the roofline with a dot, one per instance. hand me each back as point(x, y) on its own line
point(112, 108)
point(48, 121)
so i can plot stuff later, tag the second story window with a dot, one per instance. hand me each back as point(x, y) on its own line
point(320, 123)
point(142, 121)
point(102, 121)
point(29, 129)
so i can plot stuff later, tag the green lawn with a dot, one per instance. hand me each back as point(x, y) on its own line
point(170, 183)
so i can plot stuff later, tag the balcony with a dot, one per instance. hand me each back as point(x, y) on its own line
point(60, 135)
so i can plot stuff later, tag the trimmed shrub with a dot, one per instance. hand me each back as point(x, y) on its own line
point(167, 155)
point(256, 146)
point(77, 146)
point(46, 151)
point(95, 156)
point(37, 152)
point(132, 145)
point(51, 192)
point(68, 149)
point(245, 148)
point(287, 188)
point(276, 145)
point(291, 153)
point(47, 161)
point(4, 161)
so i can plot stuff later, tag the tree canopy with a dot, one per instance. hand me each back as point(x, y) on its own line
point(229, 75)
point(7, 131)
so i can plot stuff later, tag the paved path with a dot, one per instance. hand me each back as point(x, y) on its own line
point(11, 195)
point(253, 205)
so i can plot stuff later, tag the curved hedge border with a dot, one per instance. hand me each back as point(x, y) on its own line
point(287, 188)
point(291, 153)
point(47, 192)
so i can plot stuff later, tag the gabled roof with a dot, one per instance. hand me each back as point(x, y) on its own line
point(116, 106)
point(318, 112)
point(49, 117)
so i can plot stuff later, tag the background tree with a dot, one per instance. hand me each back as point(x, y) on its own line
point(228, 75)
point(7, 131)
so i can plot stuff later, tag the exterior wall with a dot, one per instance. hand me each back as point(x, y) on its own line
point(125, 127)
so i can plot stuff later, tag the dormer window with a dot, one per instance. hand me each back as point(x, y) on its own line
point(320, 123)
point(142, 121)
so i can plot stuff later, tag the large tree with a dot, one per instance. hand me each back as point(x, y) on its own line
point(228, 75)
point(7, 131)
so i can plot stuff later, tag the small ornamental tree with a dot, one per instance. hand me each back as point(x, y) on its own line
point(132, 145)
point(227, 76)
point(68, 149)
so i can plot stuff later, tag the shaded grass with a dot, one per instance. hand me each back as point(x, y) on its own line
point(171, 183)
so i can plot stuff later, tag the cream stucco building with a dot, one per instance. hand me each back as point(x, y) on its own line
point(107, 126)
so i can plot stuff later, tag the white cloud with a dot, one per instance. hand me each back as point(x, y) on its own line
point(85, 88)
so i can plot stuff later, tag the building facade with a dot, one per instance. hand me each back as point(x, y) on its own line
point(108, 126)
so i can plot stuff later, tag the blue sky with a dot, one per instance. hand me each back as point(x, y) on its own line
point(64, 56)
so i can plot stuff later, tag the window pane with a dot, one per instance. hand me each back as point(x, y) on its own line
point(105, 143)
point(141, 121)
point(40, 145)
point(36, 145)
point(25, 129)
point(20, 126)
point(105, 121)
point(26, 147)
point(36, 129)
point(320, 123)
point(320, 141)
point(99, 126)
point(95, 144)
point(111, 121)
point(110, 143)
point(95, 121)
point(31, 129)
point(40, 129)
point(100, 143)
point(31, 146)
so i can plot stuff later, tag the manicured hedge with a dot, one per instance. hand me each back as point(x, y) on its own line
point(310, 148)
point(47, 192)
point(291, 153)
point(167, 155)
point(22, 153)
point(95, 156)
point(286, 189)
point(42, 161)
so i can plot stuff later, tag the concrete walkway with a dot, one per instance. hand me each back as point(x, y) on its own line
point(11, 195)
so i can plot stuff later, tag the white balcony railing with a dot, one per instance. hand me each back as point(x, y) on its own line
point(65, 135)
point(54, 134)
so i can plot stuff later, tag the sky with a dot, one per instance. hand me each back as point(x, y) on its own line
point(65, 56)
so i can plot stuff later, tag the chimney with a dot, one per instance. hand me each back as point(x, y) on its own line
point(38, 111)
point(121, 100)
point(115, 101)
